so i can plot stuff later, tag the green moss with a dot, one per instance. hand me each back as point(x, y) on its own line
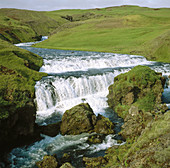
point(18, 74)
point(140, 86)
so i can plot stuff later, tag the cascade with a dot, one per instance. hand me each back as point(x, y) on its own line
point(75, 77)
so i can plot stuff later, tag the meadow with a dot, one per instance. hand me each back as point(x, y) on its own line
point(126, 29)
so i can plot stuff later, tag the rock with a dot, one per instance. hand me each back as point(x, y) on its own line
point(19, 128)
point(67, 165)
point(133, 111)
point(77, 120)
point(103, 125)
point(66, 158)
point(141, 87)
point(94, 162)
point(51, 129)
point(94, 139)
point(48, 162)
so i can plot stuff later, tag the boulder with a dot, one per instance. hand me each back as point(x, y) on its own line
point(67, 165)
point(103, 125)
point(94, 139)
point(51, 129)
point(47, 162)
point(81, 119)
point(140, 87)
point(78, 119)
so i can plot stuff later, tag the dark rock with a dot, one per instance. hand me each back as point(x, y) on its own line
point(51, 129)
point(48, 162)
point(19, 128)
point(103, 125)
point(66, 158)
point(78, 119)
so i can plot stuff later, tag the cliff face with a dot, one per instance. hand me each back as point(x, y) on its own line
point(18, 74)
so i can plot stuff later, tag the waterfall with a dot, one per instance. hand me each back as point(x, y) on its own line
point(75, 77)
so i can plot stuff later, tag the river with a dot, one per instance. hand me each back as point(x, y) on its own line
point(75, 77)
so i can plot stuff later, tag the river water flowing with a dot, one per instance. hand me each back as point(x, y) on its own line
point(75, 77)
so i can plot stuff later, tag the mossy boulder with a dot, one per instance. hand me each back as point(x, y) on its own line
point(141, 87)
point(103, 125)
point(94, 162)
point(97, 138)
point(48, 162)
point(81, 119)
point(78, 119)
point(67, 165)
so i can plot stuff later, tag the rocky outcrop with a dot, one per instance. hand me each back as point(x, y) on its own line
point(78, 119)
point(141, 87)
point(103, 125)
point(81, 119)
point(48, 161)
point(136, 97)
point(19, 128)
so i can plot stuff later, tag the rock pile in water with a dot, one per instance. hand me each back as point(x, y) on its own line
point(81, 119)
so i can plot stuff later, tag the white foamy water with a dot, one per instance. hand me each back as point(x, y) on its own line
point(75, 77)
point(53, 64)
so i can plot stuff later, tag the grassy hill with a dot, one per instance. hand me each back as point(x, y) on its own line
point(18, 73)
point(24, 25)
point(126, 29)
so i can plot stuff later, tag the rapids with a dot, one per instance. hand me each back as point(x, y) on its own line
point(75, 77)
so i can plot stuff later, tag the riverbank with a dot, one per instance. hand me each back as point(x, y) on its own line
point(125, 30)
point(18, 75)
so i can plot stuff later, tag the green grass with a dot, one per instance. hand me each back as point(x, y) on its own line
point(18, 73)
point(23, 25)
point(128, 30)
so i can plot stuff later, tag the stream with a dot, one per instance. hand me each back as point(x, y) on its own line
point(75, 77)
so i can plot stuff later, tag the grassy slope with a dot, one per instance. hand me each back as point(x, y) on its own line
point(18, 73)
point(23, 25)
point(129, 30)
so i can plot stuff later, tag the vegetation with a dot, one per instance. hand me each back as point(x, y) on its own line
point(127, 29)
point(24, 26)
point(18, 73)
point(150, 149)
point(136, 87)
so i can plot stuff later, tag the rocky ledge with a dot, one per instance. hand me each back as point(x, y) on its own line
point(136, 97)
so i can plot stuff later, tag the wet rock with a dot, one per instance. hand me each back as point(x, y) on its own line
point(94, 162)
point(19, 128)
point(94, 139)
point(67, 165)
point(66, 158)
point(51, 129)
point(78, 119)
point(48, 162)
point(103, 125)
point(81, 119)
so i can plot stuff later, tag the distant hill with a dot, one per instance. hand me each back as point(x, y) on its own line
point(126, 29)
point(24, 25)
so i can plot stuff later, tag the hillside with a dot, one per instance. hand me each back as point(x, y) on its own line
point(24, 25)
point(126, 29)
